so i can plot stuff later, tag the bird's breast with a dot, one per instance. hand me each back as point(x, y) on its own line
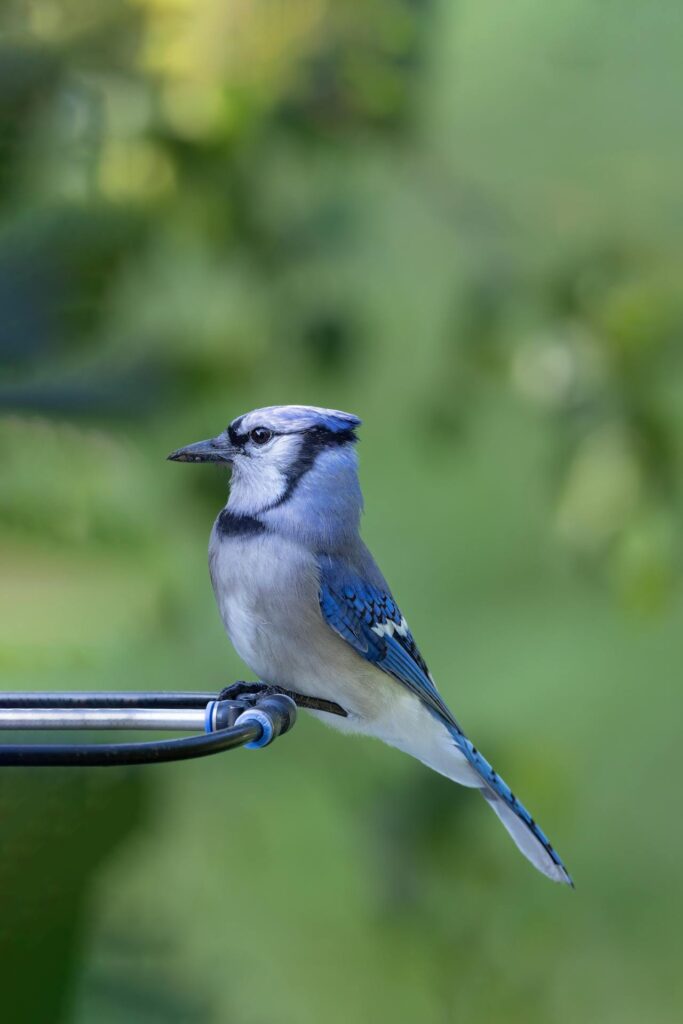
point(267, 593)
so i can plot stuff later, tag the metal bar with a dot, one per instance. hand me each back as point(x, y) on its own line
point(105, 755)
point(161, 719)
point(105, 699)
point(265, 717)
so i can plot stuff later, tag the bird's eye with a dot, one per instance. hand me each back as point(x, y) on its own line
point(260, 435)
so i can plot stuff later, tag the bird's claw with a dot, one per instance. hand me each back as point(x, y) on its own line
point(250, 692)
point(241, 689)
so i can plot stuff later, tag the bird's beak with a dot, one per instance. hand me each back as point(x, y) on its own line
point(216, 449)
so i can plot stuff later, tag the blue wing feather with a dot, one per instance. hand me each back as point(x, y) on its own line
point(367, 617)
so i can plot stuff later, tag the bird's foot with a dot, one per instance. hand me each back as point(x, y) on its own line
point(241, 689)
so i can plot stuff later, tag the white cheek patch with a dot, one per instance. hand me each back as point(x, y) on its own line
point(254, 487)
point(389, 628)
point(259, 479)
point(282, 452)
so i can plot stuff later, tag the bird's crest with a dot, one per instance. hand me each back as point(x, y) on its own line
point(290, 419)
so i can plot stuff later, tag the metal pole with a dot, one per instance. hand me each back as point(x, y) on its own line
point(103, 755)
point(105, 699)
point(159, 719)
point(254, 721)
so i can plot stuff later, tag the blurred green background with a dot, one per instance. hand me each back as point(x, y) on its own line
point(461, 221)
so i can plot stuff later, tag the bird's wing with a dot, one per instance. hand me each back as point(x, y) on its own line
point(367, 617)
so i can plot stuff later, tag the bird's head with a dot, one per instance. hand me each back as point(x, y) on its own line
point(279, 453)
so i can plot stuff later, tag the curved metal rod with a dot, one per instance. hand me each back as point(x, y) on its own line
point(104, 755)
point(254, 722)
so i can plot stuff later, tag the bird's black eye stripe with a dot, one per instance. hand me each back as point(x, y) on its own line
point(315, 437)
point(260, 435)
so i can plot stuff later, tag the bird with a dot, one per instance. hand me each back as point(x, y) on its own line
point(308, 610)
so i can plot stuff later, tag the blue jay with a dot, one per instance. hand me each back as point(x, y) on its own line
point(307, 608)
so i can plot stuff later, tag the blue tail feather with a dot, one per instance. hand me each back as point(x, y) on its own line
point(513, 813)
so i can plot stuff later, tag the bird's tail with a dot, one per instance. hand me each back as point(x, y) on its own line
point(528, 836)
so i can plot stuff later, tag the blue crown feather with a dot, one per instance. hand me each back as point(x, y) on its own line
point(295, 418)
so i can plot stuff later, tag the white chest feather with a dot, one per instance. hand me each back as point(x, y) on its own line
point(267, 593)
